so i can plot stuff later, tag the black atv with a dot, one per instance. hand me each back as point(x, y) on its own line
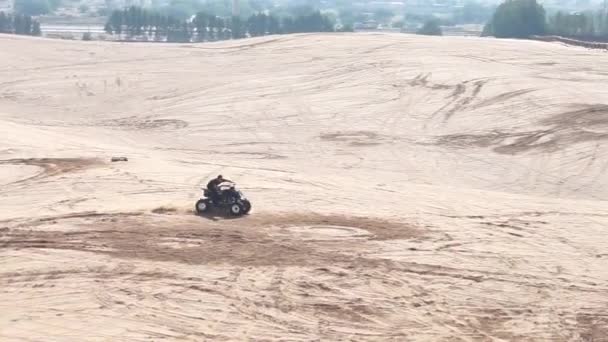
point(229, 199)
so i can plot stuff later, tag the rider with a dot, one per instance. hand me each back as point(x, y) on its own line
point(212, 186)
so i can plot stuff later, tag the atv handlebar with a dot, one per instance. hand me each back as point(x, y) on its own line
point(225, 183)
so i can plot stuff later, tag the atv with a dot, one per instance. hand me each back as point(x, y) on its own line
point(229, 199)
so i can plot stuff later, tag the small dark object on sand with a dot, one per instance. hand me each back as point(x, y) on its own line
point(117, 159)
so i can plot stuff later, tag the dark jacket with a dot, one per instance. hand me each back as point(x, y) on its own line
point(212, 185)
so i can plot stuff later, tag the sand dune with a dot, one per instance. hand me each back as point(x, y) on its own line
point(404, 188)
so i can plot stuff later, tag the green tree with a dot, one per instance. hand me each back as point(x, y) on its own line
point(153, 23)
point(212, 22)
point(237, 27)
point(573, 25)
point(5, 23)
point(18, 24)
point(274, 26)
point(314, 22)
point(200, 22)
point(140, 21)
point(216, 25)
point(161, 27)
point(227, 34)
point(346, 28)
point(27, 25)
point(179, 34)
point(132, 14)
point(36, 29)
point(488, 30)
point(288, 25)
point(256, 25)
point(430, 28)
point(116, 21)
point(108, 28)
point(383, 15)
point(517, 19)
point(220, 24)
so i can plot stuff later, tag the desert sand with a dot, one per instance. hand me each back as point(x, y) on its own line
point(404, 188)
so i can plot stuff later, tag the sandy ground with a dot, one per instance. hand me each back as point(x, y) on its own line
point(404, 188)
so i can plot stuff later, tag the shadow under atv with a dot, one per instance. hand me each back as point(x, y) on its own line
point(215, 214)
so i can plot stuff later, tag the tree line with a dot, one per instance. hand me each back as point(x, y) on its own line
point(140, 22)
point(430, 28)
point(19, 24)
point(586, 25)
point(525, 18)
point(137, 21)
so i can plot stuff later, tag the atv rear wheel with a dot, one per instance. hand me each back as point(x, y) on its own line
point(202, 206)
point(236, 209)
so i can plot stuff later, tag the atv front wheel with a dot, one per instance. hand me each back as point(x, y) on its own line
point(246, 207)
point(202, 206)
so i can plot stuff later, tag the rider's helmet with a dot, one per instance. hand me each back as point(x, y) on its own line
point(220, 177)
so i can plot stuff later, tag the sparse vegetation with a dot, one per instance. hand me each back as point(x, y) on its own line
point(430, 28)
point(19, 24)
